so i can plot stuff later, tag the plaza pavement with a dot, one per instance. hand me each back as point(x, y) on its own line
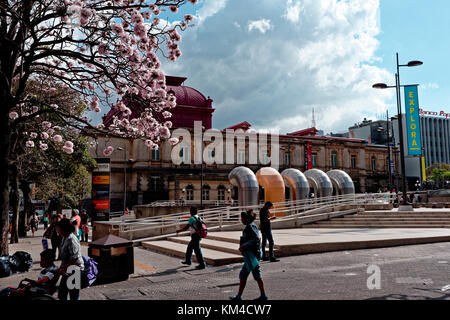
point(407, 272)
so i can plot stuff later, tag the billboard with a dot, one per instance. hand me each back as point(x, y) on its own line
point(413, 121)
point(101, 180)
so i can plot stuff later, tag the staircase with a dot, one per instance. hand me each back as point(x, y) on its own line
point(216, 250)
point(387, 219)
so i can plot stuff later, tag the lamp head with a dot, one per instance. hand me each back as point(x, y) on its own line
point(380, 86)
point(414, 63)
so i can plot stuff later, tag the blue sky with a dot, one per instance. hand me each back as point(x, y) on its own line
point(270, 62)
point(418, 30)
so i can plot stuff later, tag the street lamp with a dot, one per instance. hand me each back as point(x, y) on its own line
point(397, 86)
point(124, 176)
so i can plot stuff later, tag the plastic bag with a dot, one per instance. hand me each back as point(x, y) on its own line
point(14, 264)
point(25, 260)
point(5, 269)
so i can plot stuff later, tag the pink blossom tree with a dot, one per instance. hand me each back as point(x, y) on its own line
point(103, 49)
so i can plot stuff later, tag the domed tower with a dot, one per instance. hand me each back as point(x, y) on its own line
point(191, 106)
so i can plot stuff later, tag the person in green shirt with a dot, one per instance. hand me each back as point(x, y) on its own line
point(194, 244)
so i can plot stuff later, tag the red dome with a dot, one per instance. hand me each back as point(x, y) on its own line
point(187, 96)
point(191, 106)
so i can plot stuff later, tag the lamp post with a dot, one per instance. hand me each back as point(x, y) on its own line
point(124, 149)
point(397, 86)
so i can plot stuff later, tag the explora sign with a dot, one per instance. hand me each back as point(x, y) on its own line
point(413, 121)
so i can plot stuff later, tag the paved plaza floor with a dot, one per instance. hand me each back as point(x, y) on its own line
point(406, 272)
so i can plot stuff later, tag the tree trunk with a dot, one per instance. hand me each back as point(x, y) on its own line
point(14, 202)
point(27, 205)
point(4, 180)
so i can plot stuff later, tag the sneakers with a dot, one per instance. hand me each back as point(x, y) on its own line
point(186, 263)
point(200, 267)
point(261, 298)
point(274, 259)
point(236, 298)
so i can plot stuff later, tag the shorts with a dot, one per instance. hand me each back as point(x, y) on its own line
point(243, 275)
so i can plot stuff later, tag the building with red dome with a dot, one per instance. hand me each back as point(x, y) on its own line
point(191, 106)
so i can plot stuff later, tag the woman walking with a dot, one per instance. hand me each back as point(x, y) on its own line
point(250, 246)
point(34, 222)
point(70, 255)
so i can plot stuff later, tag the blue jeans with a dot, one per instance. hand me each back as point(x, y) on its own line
point(194, 245)
point(266, 232)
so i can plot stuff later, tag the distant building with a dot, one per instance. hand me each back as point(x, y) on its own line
point(373, 132)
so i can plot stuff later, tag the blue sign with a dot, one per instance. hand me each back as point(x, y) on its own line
point(413, 121)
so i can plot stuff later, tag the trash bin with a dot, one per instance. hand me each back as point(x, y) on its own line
point(114, 257)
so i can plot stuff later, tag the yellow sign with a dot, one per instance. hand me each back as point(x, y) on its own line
point(424, 170)
point(100, 180)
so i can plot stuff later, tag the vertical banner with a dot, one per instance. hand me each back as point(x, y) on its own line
point(424, 170)
point(101, 179)
point(308, 162)
point(413, 121)
point(392, 159)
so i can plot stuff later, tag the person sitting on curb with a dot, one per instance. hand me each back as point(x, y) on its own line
point(266, 231)
point(250, 246)
point(194, 244)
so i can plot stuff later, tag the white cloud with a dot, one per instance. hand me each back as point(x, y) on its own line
point(320, 54)
point(262, 25)
point(209, 9)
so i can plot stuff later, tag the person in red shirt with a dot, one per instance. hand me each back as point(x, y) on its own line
point(76, 221)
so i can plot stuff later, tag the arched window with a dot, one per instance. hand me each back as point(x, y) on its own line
point(205, 192)
point(333, 159)
point(374, 163)
point(190, 192)
point(221, 192)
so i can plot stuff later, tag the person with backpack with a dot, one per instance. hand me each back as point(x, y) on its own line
point(196, 227)
point(70, 255)
point(250, 246)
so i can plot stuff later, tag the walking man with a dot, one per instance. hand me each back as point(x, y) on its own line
point(266, 231)
point(194, 244)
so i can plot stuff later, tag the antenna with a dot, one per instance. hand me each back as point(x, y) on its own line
point(313, 124)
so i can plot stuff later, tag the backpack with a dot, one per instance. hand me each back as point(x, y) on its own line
point(201, 228)
point(90, 272)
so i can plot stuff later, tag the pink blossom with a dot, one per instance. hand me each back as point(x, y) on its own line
point(166, 114)
point(50, 131)
point(44, 135)
point(43, 146)
point(57, 138)
point(13, 115)
point(33, 135)
point(35, 109)
point(103, 49)
point(110, 148)
point(173, 141)
point(117, 28)
point(69, 144)
point(193, 1)
point(97, 110)
point(140, 30)
point(188, 17)
point(107, 153)
point(29, 144)
point(168, 124)
point(67, 150)
point(164, 132)
point(174, 9)
point(149, 143)
point(136, 18)
point(46, 124)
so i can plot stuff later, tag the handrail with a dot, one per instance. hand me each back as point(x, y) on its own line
point(224, 215)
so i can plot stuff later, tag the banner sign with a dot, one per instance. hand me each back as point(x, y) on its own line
point(101, 180)
point(424, 169)
point(391, 155)
point(308, 162)
point(413, 121)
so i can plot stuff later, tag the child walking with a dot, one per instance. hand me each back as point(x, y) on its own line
point(250, 246)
